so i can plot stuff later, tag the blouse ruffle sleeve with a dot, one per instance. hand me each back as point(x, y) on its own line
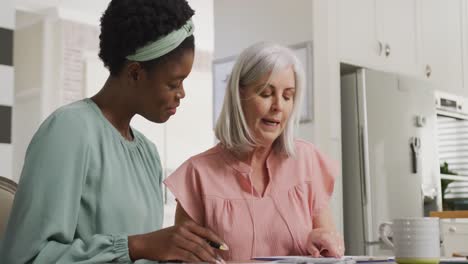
point(323, 182)
point(185, 184)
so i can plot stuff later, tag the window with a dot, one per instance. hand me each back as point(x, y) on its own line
point(452, 134)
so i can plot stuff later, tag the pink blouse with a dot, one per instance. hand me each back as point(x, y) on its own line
point(215, 190)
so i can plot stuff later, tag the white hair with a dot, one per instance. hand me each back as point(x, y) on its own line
point(251, 65)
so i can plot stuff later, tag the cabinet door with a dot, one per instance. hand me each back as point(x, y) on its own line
point(356, 32)
point(441, 48)
point(396, 28)
point(454, 235)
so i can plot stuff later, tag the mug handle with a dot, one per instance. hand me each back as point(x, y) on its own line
point(383, 235)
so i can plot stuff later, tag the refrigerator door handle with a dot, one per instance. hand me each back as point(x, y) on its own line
point(363, 166)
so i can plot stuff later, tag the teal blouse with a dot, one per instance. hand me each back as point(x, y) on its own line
point(83, 190)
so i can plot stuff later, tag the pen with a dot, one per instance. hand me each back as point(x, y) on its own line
point(218, 245)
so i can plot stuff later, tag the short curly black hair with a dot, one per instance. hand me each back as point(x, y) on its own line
point(127, 25)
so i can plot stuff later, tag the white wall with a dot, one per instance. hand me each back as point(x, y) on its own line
point(6, 89)
point(6, 100)
point(327, 92)
point(6, 160)
point(28, 57)
point(204, 24)
point(239, 24)
point(7, 14)
point(7, 25)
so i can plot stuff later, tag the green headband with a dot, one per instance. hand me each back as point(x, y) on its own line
point(163, 45)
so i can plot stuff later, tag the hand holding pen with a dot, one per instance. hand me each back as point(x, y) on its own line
point(218, 245)
point(187, 241)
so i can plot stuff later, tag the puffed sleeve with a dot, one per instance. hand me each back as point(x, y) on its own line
point(324, 175)
point(185, 184)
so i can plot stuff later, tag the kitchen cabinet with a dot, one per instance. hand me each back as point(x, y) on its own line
point(441, 60)
point(396, 33)
point(356, 32)
point(454, 233)
point(379, 34)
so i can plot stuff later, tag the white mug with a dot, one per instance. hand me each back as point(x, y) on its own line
point(415, 240)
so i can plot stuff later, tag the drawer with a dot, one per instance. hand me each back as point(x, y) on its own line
point(454, 227)
point(454, 236)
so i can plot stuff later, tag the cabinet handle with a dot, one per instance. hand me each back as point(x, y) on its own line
point(380, 48)
point(452, 229)
point(428, 70)
point(387, 50)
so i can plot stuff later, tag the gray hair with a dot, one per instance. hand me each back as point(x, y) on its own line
point(252, 64)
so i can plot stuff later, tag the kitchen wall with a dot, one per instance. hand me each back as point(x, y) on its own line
point(339, 30)
point(7, 23)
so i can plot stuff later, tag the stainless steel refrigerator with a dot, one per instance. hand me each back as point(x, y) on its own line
point(389, 154)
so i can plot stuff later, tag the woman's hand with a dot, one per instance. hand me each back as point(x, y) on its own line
point(325, 242)
point(186, 242)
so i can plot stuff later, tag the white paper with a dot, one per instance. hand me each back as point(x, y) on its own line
point(302, 259)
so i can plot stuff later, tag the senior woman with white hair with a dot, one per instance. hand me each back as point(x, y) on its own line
point(261, 190)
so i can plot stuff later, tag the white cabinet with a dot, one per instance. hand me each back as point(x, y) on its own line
point(356, 32)
point(396, 30)
point(424, 38)
point(441, 44)
point(380, 34)
point(454, 236)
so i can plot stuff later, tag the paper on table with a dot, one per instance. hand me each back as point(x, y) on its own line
point(345, 259)
point(363, 259)
point(302, 259)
